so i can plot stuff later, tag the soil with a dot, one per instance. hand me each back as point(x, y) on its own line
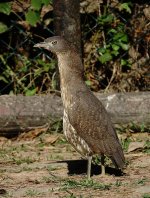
point(47, 166)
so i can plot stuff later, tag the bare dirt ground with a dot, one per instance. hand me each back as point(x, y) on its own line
point(47, 166)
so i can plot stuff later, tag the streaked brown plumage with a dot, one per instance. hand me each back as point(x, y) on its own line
point(86, 123)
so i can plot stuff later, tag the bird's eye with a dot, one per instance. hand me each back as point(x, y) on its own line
point(54, 42)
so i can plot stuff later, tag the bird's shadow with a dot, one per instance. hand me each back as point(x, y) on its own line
point(80, 167)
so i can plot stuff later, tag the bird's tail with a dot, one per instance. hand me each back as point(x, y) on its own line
point(118, 158)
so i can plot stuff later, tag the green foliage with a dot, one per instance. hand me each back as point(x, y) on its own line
point(27, 82)
point(138, 127)
point(118, 183)
point(125, 144)
point(116, 38)
point(126, 7)
point(105, 19)
point(32, 17)
point(3, 27)
point(134, 128)
point(56, 127)
point(142, 181)
point(33, 193)
point(146, 195)
point(33, 13)
point(88, 82)
point(107, 33)
point(22, 160)
point(68, 184)
point(118, 42)
point(125, 62)
point(46, 2)
point(30, 92)
point(36, 5)
point(50, 66)
point(147, 147)
point(105, 57)
point(5, 8)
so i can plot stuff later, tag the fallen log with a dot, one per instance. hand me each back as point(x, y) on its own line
point(22, 113)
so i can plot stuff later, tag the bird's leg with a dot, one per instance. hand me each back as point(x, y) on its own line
point(102, 165)
point(89, 167)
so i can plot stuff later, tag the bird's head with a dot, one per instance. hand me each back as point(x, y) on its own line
point(55, 44)
point(65, 51)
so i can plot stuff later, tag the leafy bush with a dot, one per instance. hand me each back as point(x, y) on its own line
point(116, 46)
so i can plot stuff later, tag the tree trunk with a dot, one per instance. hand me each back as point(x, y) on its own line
point(67, 24)
point(23, 113)
point(67, 21)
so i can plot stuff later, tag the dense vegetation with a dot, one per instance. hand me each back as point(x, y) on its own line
point(116, 46)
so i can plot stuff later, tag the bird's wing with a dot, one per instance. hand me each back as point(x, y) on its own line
point(92, 123)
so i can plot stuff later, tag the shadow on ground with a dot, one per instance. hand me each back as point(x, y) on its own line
point(80, 167)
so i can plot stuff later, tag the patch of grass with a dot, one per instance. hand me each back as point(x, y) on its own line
point(20, 160)
point(139, 128)
point(12, 150)
point(125, 144)
point(146, 195)
point(23, 147)
point(18, 148)
point(69, 184)
point(33, 193)
point(4, 154)
point(3, 170)
point(26, 168)
point(55, 157)
point(56, 127)
point(7, 195)
point(147, 147)
point(51, 168)
point(61, 140)
point(47, 179)
point(118, 183)
point(133, 127)
point(96, 159)
point(52, 178)
point(69, 148)
point(71, 195)
point(142, 181)
point(41, 146)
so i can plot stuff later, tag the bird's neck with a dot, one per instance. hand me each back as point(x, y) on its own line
point(70, 61)
point(71, 76)
point(70, 68)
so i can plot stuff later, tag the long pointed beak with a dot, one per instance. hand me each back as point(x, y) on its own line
point(42, 44)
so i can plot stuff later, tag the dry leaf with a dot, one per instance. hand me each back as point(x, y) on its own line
point(33, 133)
point(133, 146)
point(51, 139)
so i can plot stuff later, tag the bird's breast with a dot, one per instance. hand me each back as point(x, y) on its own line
point(74, 138)
point(67, 94)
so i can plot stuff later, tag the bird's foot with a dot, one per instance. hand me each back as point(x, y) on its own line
point(103, 165)
point(102, 170)
point(89, 167)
